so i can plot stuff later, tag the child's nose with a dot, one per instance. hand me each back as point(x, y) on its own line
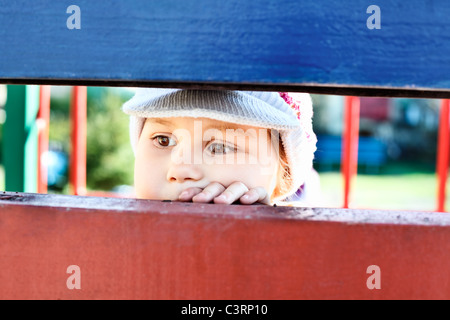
point(185, 162)
point(184, 172)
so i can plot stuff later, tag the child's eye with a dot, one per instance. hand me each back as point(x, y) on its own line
point(163, 141)
point(220, 148)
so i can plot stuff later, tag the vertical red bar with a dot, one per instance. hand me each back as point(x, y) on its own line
point(350, 145)
point(79, 131)
point(443, 153)
point(43, 119)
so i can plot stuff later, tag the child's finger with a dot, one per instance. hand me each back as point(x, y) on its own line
point(189, 193)
point(232, 193)
point(258, 194)
point(209, 192)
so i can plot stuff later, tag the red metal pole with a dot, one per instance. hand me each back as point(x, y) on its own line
point(43, 120)
point(79, 131)
point(443, 153)
point(350, 145)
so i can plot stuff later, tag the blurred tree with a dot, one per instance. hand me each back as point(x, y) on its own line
point(1, 141)
point(110, 159)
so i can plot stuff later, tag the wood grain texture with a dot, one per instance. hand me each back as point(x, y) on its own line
point(143, 249)
point(305, 44)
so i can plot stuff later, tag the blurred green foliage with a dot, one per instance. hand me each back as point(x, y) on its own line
point(110, 159)
point(1, 140)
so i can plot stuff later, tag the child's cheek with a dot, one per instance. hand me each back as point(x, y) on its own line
point(149, 175)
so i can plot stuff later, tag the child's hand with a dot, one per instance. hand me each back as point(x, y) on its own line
point(217, 193)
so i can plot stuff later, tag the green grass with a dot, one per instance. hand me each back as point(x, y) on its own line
point(406, 191)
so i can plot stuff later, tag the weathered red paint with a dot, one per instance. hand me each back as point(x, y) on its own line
point(78, 140)
point(350, 145)
point(443, 153)
point(142, 249)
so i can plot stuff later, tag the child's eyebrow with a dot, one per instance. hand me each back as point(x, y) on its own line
point(163, 122)
point(221, 127)
point(228, 126)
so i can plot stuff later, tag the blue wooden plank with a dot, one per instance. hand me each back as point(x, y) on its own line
point(209, 41)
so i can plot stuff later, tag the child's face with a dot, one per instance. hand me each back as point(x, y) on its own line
point(174, 154)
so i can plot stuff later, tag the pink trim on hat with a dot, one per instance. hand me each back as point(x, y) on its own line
point(294, 104)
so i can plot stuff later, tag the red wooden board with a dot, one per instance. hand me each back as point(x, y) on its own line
point(141, 249)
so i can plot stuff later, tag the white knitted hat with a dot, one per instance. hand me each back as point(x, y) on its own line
point(290, 115)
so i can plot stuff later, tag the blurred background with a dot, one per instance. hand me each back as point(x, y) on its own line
point(396, 158)
point(109, 158)
point(396, 152)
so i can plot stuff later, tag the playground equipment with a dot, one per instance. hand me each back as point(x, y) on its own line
point(144, 249)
